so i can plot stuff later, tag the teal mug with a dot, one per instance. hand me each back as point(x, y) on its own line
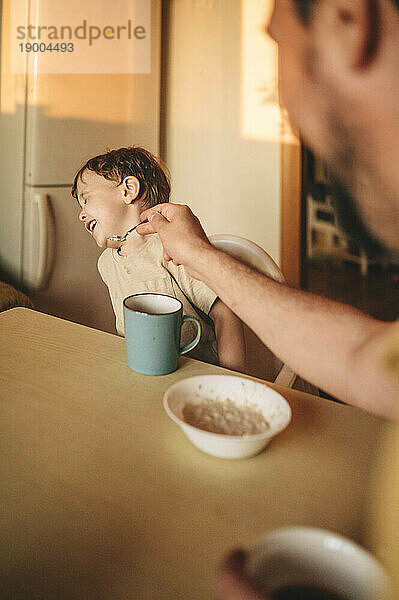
point(152, 329)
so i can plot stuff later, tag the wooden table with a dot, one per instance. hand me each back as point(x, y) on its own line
point(104, 497)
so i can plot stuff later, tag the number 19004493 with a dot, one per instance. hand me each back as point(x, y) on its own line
point(43, 47)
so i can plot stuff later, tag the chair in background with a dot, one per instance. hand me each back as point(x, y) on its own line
point(262, 362)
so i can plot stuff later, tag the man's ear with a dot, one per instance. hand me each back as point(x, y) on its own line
point(354, 26)
point(130, 189)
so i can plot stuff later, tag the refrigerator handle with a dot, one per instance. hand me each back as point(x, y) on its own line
point(43, 216)
point(42, 203)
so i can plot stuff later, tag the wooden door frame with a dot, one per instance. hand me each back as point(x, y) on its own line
point(293, 213)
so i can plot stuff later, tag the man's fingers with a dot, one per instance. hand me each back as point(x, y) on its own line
point(168, 210)
point(234, 561)
point(158, 208)
point(157, 221)
point(145, 229)
point(232, 584)
point(180, 232)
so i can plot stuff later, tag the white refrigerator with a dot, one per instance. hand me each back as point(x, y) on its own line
point(50, 124)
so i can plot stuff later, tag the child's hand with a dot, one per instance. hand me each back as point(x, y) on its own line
point(230, 337)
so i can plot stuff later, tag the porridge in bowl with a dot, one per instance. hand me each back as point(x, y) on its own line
point(225, 417)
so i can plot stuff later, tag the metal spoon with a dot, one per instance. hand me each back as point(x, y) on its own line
point(122, 238)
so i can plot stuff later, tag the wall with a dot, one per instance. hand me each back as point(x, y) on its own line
point(223, 164)
point(12, 138)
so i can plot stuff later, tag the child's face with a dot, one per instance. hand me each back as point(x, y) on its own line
point(106, 208)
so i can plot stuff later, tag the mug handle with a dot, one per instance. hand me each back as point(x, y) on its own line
point(197, 338)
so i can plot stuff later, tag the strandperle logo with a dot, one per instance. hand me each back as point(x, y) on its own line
point(55, 36)
point(87, 32)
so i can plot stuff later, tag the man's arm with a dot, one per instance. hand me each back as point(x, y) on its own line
point(230, 337)
point(334, 346)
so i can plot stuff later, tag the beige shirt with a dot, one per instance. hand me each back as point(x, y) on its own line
point(147, 271)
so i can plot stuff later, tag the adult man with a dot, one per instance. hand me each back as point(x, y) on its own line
point(339, 80)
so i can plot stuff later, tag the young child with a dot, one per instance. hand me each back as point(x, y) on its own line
point(112, 190)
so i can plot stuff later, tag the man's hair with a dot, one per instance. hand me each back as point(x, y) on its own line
point(116, 165)
point(304, 8)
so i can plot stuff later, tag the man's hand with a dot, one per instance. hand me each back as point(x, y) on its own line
point(232, 583)
point(182, 236)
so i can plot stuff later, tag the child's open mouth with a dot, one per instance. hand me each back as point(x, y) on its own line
point(91, 225)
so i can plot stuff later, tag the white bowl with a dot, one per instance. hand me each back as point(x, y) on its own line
point(243, 393)
point(317, 557)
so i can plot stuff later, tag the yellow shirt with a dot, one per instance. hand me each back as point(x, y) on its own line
point(385, 531)
point(147, 271)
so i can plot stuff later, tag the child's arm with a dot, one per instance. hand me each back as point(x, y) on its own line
point(230, 337)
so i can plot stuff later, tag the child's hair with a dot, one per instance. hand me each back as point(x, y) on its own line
point(116, 165)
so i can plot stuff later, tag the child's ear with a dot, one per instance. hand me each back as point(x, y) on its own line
point(130, 189)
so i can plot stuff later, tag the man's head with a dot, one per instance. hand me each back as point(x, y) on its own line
point(305, 7)
point(113, 188)
point(339, 65)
